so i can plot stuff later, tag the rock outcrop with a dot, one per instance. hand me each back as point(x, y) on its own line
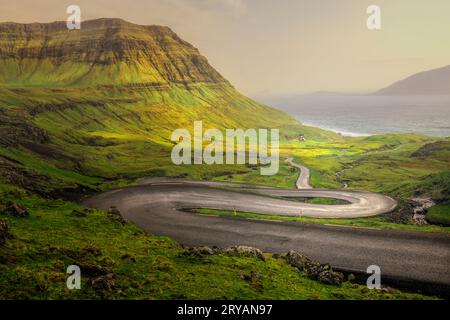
point(321, 272)
point(240, 251)
point(115, 215)
point(245, 251)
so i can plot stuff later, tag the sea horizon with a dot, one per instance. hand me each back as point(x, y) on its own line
point(364, 115)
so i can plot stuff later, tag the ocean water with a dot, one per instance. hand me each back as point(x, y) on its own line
point(367, 115)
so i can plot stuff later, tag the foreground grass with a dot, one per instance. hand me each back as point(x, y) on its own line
point(111, 137)
point(378, 222)
point(33, 264)
point(439, 214)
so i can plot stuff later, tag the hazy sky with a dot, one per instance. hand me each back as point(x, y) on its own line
point(284, 46)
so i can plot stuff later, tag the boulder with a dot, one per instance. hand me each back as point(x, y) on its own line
point(115, 214)
point(321, 272)
point(202, 251)
point(298, 260)
point(325, 274)
point(240, 251)
point(388, 290)
point(245, 251)
point(104, 283)
point(16, 210)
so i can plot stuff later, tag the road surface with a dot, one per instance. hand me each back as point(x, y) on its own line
point(157, 206)
point(303, 178)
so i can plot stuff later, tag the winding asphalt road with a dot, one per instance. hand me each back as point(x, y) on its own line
point(158, 206)
point(303, 178)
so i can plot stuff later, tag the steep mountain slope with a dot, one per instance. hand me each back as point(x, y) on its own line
point(104, 100)
point(104, 51)
point(433, 82)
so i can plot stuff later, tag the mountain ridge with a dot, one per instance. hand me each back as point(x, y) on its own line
point(103, 52)
point(430, 82)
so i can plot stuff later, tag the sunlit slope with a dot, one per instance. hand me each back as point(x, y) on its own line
point(104, 132)
point(105, 99)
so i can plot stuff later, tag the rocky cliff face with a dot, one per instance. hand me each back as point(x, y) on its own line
point(104, 51)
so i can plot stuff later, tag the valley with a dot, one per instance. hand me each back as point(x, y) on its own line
point(93, 111)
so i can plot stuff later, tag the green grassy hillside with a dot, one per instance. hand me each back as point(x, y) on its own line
point(104, 100)
point(83, 111)
point(126, 132)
